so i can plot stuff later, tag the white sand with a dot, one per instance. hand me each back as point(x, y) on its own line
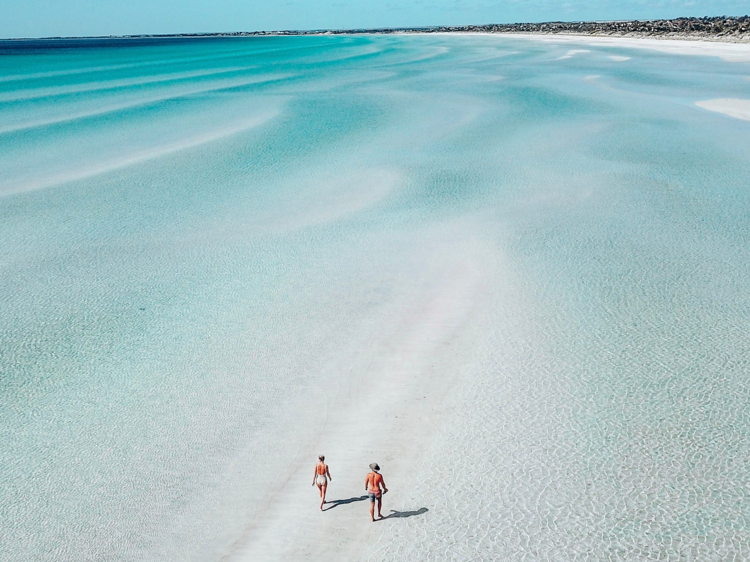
point(737, 108)
point(732, 52)
point(573, 52)
point(388, 410)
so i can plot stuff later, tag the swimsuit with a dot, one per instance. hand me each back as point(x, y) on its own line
point(321, 479)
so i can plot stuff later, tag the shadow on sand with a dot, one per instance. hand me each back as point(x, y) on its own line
point(402, 514)
point(336, 503)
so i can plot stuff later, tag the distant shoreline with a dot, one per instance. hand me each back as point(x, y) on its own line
point(719, 29)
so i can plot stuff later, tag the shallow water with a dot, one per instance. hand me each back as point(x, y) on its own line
point(197, 234)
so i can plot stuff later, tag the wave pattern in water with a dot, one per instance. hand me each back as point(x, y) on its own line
point(201, 237)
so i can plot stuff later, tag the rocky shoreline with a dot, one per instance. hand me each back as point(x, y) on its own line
point(735, 29)
point(725, 29)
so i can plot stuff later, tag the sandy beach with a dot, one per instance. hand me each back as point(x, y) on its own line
point(733, 52)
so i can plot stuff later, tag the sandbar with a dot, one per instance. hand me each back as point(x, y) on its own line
point(737, 108)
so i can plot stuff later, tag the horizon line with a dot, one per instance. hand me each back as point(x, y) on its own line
point(354, 31)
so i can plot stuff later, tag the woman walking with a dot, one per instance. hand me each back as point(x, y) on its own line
point(321, 477)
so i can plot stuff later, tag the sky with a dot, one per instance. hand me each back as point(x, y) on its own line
point(47, 18)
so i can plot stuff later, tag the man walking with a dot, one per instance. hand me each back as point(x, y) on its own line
point(373, 484)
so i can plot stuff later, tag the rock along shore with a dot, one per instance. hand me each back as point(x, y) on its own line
point(735, 29)
point(730, 29)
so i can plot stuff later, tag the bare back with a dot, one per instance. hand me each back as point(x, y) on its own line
point(374, 482)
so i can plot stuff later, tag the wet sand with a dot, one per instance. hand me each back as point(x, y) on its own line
point(737, 108)
point(388, 409)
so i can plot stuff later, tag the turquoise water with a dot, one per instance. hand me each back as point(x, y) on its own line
point(196, 233)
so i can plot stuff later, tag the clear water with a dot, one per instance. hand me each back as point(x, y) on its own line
point(195, 233)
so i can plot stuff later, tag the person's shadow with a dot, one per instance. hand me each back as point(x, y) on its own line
point(403, 514)
point(336, 503)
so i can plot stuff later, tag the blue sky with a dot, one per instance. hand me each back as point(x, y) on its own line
point(42, 18)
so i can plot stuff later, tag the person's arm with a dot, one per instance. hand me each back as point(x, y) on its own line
point(328, 472)
point(367, 481)
point(382, 481)
point(315, 474)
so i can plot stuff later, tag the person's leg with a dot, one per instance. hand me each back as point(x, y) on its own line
point(320, 490)
point(323, 495)
point(380, 506)
point(372, 508)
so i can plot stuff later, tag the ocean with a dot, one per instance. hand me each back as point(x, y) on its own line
point(207, 244)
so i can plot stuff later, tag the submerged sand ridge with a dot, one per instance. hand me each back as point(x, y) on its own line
point(388, 408)
point(739, 109)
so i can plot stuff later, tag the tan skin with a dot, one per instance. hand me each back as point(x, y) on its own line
point(373, 483)
point(321, 469)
